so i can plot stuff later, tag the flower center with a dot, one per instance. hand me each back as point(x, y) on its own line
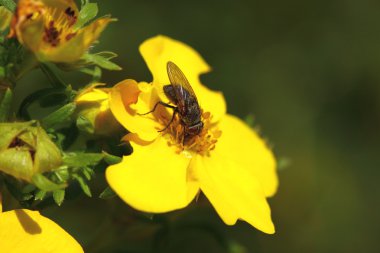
point(59, 26)
point(202, 144)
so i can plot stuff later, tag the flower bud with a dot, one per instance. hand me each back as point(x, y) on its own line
point(94, 114)
point(26, 149)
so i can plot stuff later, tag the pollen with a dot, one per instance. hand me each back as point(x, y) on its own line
point(201, 144)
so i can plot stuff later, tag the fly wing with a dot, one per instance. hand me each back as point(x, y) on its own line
point(182, 87)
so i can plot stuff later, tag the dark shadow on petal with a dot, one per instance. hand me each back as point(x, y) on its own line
point(29, 225)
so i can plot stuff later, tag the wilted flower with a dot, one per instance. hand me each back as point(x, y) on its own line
point(93, 107)
point(26, 149)
point(227, 160)
point(24, 230)
point(48, 28)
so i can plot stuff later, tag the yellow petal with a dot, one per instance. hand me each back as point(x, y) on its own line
point(129, 97)
point(232, 190)
point(72, 49)
point(153, 179)
point(28, 231)
point(92, 94)
point(242, 144)
point(157, 51)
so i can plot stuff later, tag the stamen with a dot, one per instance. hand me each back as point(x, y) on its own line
point(201, 144)
point(59, 25)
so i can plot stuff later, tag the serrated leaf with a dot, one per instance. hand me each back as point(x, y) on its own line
point(45, 184)
point(5, 105)
point(40, 195)
point(86, 14)
point(82, 159)
point(59, 116)
point(9, 4)
point(87, 173)
point(111, 159)
point(59, 196)
point(107, 193)
point(102, 62)
point(83, 184)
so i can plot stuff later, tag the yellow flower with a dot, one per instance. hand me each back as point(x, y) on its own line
point(24, 230)
point(93, 105)
point(48, 29)
point(227, 160)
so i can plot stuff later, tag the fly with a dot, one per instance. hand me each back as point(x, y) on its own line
point(180, 93)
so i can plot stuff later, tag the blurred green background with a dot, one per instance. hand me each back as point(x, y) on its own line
point(309, 73)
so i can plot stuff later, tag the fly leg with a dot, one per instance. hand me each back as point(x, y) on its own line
point(171, 120)
point(155, 107)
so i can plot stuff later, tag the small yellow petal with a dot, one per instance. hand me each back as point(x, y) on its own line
point(242, 144)
point(232, 190)
point(157, 51)
point(27, 231)
point(126, 99)
point(153, 179)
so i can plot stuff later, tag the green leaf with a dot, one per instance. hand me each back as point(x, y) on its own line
point(86, 14)
point(107, 193)
point(40, 195)
point(82, 159)
point(101, 62)
point(59, 116)
point(87, 172)
point(59, 196)
point(5, 105)
point(83, 184)
point(85, 125)
point(45, 184)
point(107, 54)
point(9, 4)
point(111, 159)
